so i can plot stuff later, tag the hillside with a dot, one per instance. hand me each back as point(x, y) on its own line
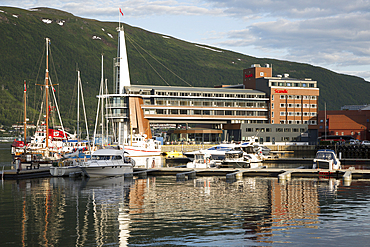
point(78, 42)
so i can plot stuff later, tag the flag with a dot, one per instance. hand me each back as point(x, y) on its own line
point(120, 11)
point(25, 89)
point(53, 88)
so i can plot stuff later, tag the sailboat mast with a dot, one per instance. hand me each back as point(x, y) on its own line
point(25, 113)
point(78, 105)
point(102, 100)
point(47, 93)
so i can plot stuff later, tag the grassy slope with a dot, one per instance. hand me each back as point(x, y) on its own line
point(22, 47)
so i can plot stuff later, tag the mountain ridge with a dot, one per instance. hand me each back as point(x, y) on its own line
point(79, 42)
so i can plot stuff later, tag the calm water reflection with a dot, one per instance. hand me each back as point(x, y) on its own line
point(202, 212)
point(161, 211)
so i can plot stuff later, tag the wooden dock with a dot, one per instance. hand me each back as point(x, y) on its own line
point(25, 173)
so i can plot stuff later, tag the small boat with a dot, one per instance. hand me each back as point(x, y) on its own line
point(107, 162)
point(65, 168)
point(143, 147)
point(326, 159)
point(201, 160)
point(216, 152)
point(235, 159)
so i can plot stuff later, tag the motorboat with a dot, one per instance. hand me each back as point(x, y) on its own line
point(201, 160)
point(216, 152)
point(235, 159)
point(107, 162)
point(326, 159)
point(143, 147)
point(64, 168)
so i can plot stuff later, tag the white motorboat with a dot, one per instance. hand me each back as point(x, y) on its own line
point(65, 168)
point(326, 159)
point(107, 162)
point(235, 159)
point(201, 160)
point(143, 147)
point(216, 152)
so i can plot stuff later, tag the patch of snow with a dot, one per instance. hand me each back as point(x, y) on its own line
point(165, 37)
point(16, 16)
point(33, 9)
point(2, 11)
point(103, 29)
point(61, 23)
point(96, 37)
point(110, 35)
point(47, 21)
point(208, 48)
point(239, 59)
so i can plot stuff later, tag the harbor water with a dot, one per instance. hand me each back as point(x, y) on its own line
point(160, 211)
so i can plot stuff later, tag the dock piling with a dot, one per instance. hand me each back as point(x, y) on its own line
point(181, 176)
point(234, 176)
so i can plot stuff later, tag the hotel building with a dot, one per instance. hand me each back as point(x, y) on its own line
point(261, 99)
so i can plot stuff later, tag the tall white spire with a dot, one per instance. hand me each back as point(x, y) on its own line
point(122, 75)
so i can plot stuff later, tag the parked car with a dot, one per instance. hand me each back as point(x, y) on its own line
point(365, 142)
point(354, 142)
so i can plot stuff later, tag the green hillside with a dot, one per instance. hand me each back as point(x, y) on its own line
point(22, 50)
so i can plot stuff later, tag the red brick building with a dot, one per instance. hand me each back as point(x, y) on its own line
point(353, 123)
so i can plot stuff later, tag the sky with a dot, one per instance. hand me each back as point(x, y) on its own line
point(333, 34)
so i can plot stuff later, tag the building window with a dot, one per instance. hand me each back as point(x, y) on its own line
point(279, 129)
point(290, 113)
point(298, 105)
point(272, 106)
point(313, 122)
point(183, 112)
point(272, 121)
point(313, 97)
point(306, 106)
point(295, 130)
point(272, 97)
point(282, 105)
point(282, 113)
point(298, 114)
point(342, 133)
point(272, 114)
point(290, 105)
point(249, 129)
point(282, 121)
point(174, 111)
point(285, 139)
point(298, 121)
point(197, 112)
point(282, 96)
point(336, 133)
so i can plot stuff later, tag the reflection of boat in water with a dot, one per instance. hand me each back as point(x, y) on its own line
point(326, 159)
point(107, 162)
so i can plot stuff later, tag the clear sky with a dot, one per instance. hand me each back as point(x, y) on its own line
point(334, 34)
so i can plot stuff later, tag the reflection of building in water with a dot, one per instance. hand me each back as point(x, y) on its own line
point(295, 203)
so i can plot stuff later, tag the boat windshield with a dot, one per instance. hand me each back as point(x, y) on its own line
point(324, 155)
point(220, 148)
point(106, 157)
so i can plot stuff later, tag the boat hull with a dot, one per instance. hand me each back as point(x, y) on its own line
point(107, 171)
point(64, 171)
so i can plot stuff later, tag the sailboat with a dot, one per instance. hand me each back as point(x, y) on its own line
point(74, 148)
point(48, 142)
